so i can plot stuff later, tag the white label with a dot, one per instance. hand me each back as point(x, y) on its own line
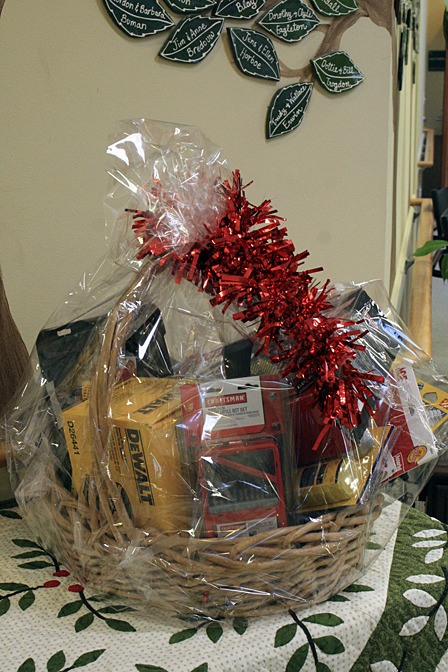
point(232, 404)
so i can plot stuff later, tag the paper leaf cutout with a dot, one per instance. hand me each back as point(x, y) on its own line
point(240, 624)
point(254, 53)
point(239, 9)
point(87, 658)
point(337, 72)
point(327, 619)
point(383, 666)
point(322, 667)
point(289, 20)
point(5, 603)
point(70, 608)
point(330, 644)
point(427, 534)
point(192, 40)
point(84, 622)
point(285, 634)
point(434, 556)
point(287, 109)
point(10, 587)
point(27, 666)
point(419, 598)
point(424, 578)
point(117, 624)
point(413, 626)
point(440, 622)
point(190, 6)
point(56, 662)
point(358, 588)
point(334, 7)
point(182, 635)
point(429, 543)
point(298, 659)
point(138, 19)
point(214, 632)
point(27, 600)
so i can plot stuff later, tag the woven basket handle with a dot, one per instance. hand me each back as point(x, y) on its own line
point(115, 333)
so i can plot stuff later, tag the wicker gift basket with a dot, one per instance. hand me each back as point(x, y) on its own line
point(206, 430)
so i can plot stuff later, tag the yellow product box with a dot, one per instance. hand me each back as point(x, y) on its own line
point(339, 482)
point(143, 456)
point(436, 404)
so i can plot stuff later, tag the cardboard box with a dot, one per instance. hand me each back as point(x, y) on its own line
point(143, 451)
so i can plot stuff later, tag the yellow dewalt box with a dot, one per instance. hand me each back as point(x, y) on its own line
point(143, 452)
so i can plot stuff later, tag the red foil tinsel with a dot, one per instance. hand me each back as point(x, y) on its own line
point(246, 259)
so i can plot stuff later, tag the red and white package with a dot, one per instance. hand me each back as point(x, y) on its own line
point(412, 442)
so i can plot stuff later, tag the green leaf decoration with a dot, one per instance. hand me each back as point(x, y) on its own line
point(328, 620)
point(123, 626)
point(214, 632)
point(190, 6)
point(285, 634)
point(240, 624)
point(338, 598)
point(193, 39)
point(254, 53)
point(321, 667)
point(287, 109)
point(430, 246)
point(289, 20)
point(138, 18)
point(334, 7)
point(201, 668)
point(84, 622)
point(5, 603)
point(27, 666)
point(357, 588)
point(56, 662)
point(87, 658)
point(70, 608)
point(336, 72)
point(182, 635)
point(238, 9)
point(12, 587)
point(25, 543)
point(444, 267)
point(150, 668)
point(330, 645)
point(8, 513)
point(35, 564)
point(27, 600)
point(298, 658)
point(29, 554)
point(116, 609)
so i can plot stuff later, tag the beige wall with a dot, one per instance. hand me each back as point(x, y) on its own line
point(434, 80)
point(68, 75)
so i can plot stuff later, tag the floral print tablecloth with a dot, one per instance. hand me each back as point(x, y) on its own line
point(393, 619)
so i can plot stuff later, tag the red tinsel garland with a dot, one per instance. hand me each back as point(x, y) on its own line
point(246, 260)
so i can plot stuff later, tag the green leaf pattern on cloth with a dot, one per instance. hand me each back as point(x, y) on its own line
point(413, 629)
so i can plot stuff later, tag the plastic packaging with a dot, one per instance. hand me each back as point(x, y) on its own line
point(167, 451)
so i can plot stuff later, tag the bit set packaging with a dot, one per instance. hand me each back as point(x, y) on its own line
point(207, 429)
